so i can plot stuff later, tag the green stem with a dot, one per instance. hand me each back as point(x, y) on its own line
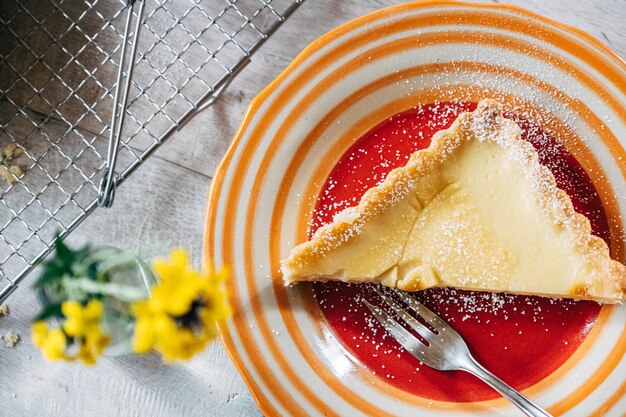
point(119, 291)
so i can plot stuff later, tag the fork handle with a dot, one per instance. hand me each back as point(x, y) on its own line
point(528, 407)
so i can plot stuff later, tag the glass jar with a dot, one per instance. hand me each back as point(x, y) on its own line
point(128, 276)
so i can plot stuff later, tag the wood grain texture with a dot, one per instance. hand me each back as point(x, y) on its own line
point(163, 205)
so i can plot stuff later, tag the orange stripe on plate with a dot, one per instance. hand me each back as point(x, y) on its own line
point(241, 324)
point(209, 255)
point(262, 321)
point(327, 163)
point(573, 143)
point(613, 359)
point(610, 402)
point(263, 96)
point(279, 135)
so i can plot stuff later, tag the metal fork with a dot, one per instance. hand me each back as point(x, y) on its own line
point(444, 349)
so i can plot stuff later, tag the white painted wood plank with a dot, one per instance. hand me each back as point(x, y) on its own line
point(164, 202)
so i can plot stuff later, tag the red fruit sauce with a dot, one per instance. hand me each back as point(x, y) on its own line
point(522, 339)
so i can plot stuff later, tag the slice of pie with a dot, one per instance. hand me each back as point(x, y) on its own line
point(477, 211)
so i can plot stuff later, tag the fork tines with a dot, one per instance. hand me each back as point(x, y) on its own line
point(434, 339)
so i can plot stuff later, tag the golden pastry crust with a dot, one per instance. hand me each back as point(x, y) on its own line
point(607, 278)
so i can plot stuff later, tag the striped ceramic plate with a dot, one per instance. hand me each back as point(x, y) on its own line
point(336, 90)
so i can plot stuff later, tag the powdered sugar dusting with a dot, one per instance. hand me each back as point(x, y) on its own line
point(492, 323)
point(495, 325)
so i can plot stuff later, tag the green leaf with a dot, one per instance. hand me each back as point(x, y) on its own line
point(48, 276)
point(51, 310)
point(83, 274)
point(63, 252)
point(66, 263)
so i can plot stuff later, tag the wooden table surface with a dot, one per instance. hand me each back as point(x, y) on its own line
point(164, 203)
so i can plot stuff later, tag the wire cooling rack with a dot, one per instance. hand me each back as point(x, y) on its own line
point(60, 63)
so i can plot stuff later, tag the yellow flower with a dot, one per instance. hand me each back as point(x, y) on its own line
point(181, 315)
point(80, 328)
point(40, 332)
point(74, 324)
point(80, 319)
point(52, 342)
point(93, 344)
point(178, 285)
